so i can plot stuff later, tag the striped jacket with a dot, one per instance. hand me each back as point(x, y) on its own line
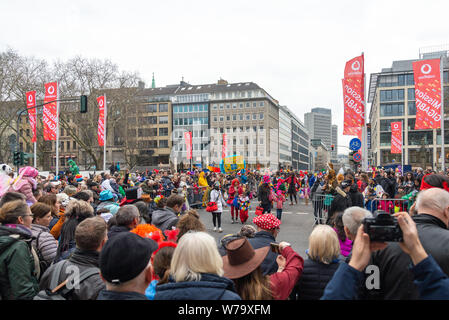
point(47, 243)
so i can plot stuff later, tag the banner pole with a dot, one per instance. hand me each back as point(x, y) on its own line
point(364, 138)
point(35, 161)
point(57, 130)
point(105, 133)
point(443, 156)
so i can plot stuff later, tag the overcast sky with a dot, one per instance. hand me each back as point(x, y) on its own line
point(295, 50)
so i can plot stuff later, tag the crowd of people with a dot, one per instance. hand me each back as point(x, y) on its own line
point(140, 236)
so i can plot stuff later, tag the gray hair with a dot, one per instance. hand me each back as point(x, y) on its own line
point(435, 199)
point(126, 214)
point(353, 217)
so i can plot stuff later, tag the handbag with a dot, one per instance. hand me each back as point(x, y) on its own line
point(212, 207)
point(259, 211)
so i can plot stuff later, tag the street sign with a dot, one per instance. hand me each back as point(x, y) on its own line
point(357, 156)
point(355, 144)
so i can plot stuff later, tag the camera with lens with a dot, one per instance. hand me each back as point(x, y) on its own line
point(383, 227)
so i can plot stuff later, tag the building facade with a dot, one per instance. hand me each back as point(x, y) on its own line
point(319, 125)
point(392, 98)
point(334, 141)
point(301, 155)
point(285, 138)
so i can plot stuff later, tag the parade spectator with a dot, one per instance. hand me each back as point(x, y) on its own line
point(292, 184)
point(242, 264)
point(45, 244)
point(52, 200)
point(341, 201)
point(321, 264)
point(356, 196)
point(90, 238)
point(432, 222)
point(144, 211)
point(161, 265)
point(19, 265)
point(216, 196)
point(384, 204)
point(106, 201)
point(167, 217)
point(352, 219)
point(280, 199)
point(268, 227)
point(125, 267)
point(76, 212)
point(197, 272)
point(234, 191)
point(189, 222)
point(265, 195)
point(26, 183)
point(247, 231)
point(11, 196)
point(126, 219)
point(345, 243)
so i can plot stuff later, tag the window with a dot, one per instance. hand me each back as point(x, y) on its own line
point(410, 94)
point(411, 108)
point(163, 107)
point(248, 105)
point(228, 106)
point(415, 137)
point(163, 119)
point(195, 108)
point(392, 95)
point(247, 129)
point(261, 128)
point(221, 119)
point(261, 116)
point(234, 106)
point(248, 116)
point(241, 105)
point(200, 108)
point(131, 121)
point(241, 117)
point(391, 109)
point(150, 108)
point(147, 120)
point(243, 94)
point(214, 106)
point(228, 118)
point(234, 129)
point(234, 117)
point(186, 108)
point(191, 108)
point(254, 116)
point(163, 131)
point(163, 143)
point(261, 140)
point(215, 119)
point(221, 106)
point(254, 104)
point(255, 129)
point(261, 104)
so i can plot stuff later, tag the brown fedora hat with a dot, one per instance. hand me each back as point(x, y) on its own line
point(241, 258)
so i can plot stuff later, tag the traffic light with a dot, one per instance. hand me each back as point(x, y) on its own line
point(332, 147)
point(351, 156)
point(83, 101)
point(18, 158)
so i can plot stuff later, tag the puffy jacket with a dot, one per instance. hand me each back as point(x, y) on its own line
point(396, 280)
point(89, 288)
point(210, 287)
point(116, 230)
point(263, 239)
point(314, 279)
point(47, 243)
point(164, 219)
point(110, 205)
point(339, 204)
point(217, 197)
point(17, 266)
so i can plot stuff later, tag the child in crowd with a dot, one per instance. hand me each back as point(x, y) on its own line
point(386, 205)
point(280, 199)
point(244, 204)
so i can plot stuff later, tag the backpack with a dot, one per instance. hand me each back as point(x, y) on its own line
point(43, 264)
point(60, 291)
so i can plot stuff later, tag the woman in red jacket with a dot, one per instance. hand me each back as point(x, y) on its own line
point(242, 265)
point(234, 191)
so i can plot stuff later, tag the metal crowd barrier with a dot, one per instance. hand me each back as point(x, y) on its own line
point(321, 204)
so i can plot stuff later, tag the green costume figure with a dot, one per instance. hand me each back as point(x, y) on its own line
point(73, 167)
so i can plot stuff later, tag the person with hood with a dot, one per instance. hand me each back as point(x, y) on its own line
point(217, 196)
point(107, 201)
point(341, 201)
point(356, 196)
point(197, 272)
point(234, 191)
point(166, 218)
point(19, 265)
point(25, 183)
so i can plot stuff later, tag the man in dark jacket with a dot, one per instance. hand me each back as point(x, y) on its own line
point(341, 200)
point(356, 196)
point(90, 237)
point(167, 217)
point(127, 218)
point(396, 281)
point(267, 231)
point(388, 183)
point(126, 268)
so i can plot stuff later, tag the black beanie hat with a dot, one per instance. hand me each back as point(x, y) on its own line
point(125, 256)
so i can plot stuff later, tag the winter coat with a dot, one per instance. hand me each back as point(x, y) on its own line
point(356, 197)
point(264, 193)
point(339, 204)
point(263, 239)
point(217, 197)
point(17, 265)
point(282, 283)
point(314, 279)
point(396, 281)
point(209, 287)
point(389, 185)
point(47, 243)
point(431, 281)
point(164, 218)
point(116, 230)
point(345, 246)
point(110, 205)
point(83, 259)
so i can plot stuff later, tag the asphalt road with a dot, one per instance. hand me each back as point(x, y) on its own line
point(297, 224)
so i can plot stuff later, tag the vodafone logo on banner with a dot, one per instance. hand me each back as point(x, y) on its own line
point(355, 66)
point(396, 137)
point(31, 99)
point(50, 116)
point(101, 120)
point(426, 68)
point(51, 90)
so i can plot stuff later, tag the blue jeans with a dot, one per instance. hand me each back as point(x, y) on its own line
point(279, 213)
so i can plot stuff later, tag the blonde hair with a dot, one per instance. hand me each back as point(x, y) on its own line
point(196, 253)
point(323, 244)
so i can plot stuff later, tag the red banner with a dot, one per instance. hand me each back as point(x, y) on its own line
point(223, 149)
point(188, 138)
point(50, 114)
point(353, 97)
point(31, 103)
point(396, 137)
point(102, 105)
point(427, 94)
